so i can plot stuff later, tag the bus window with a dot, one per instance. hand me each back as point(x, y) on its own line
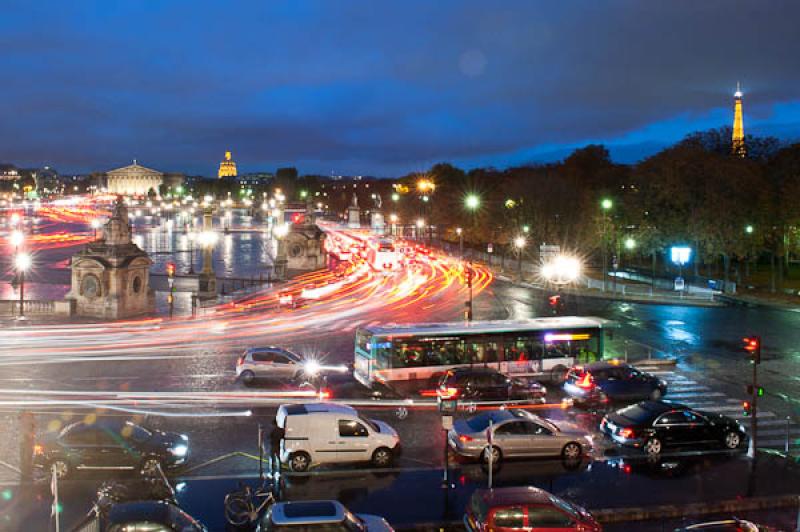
point(362, 341)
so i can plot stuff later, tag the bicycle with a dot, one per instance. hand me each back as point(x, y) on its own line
point(243, 508)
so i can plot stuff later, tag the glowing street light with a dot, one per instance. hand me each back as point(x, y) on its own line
point(95, 226)
point(606, 204)
point(425, 185)
point(460, 233)
point(749, 229)
point(15, 219)
point(519, 242)
point(630, 243)
point(472, 201)
point(395, 196)
point(22, 262)
point(17, 237)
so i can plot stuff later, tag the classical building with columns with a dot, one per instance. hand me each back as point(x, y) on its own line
point(133, 180)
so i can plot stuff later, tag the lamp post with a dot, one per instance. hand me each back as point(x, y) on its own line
point(420, 226)
point(95, 226)
point(606, 204)
point(460, 233)
point(519, 243)
point(22, 263)
point(191, 253)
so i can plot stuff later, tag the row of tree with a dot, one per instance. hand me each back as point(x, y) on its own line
point(732, 211)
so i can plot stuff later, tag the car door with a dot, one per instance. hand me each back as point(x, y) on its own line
point(354, 442)
point(547, 518)
point(638, 385)
point(79, 446)
point(263, 363)
point(512, 438)
point(698, 429)
point(283, 367)
point(541, 440)
point(113, 451)
point(498, 386)
point(671, 429)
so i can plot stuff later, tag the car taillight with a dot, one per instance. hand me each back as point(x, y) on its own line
point(325, 394)
point(464, 438)
point(38, 450)
point(240, 361)
point(626, 433)
point(448, 393)
point(586, 381)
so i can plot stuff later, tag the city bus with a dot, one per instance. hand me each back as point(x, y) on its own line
point(413, 356)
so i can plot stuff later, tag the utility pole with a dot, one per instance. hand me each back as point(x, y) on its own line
point(469, 285)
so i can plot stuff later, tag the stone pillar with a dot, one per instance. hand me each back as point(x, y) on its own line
point(208, 278)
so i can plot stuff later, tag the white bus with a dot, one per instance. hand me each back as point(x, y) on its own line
point(415, 355)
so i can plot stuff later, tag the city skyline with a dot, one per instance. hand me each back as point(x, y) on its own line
point(383, 90)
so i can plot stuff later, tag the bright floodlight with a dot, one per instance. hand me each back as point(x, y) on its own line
point(207, 238)
point(680, 254)
point(459, 230)
point(562, 269)
point(14, 219)
point(17, 238)
point(95, 224)
point(420, 223)
point(630, 243)
point(606, 204)
point(22, 261)
point(393, 218)
point(749, 229)
point(472, 201)
point(311, 367)
point(519, 242)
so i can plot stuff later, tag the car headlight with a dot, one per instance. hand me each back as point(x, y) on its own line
point(179, 450)
point(311, 367)
point(184, 437)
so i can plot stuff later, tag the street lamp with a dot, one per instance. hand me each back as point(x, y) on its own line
point(519, 243)
point(630, 243)
point(393, 219)
point(460, 233)
point(17, 237)
point(420, 226)
point(472, 201)
point(95, 226)
point(563, 269)
point(606, 204)
point(22, 262)
point(749, 229)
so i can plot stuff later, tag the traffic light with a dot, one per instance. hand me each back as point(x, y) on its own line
point(469, 277)
point(752, 344)
point(758, 389)
point(170, 269)
point(747, 408)
point(556, 303)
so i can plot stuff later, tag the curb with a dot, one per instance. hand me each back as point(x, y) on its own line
point(672, 511)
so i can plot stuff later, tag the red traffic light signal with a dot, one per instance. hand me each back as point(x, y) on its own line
point(170, 269)
point(752, 344)
point(747, 408)
point(554, 300)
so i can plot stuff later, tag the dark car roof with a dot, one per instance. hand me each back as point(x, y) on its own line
point(150, 511)
point(111, 423)
point(605, 364)
point(514, 495)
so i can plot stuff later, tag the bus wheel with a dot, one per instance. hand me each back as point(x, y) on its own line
point(558, 374)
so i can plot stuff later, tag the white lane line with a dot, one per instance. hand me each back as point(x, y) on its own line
point(760, 415)
point(779, 444)
point(671, 395)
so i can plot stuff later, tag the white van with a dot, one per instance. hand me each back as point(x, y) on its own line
point(326, 433)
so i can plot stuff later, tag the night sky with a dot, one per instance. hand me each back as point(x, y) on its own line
point(383, 88)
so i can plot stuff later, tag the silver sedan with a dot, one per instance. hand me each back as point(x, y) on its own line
point(517, 433)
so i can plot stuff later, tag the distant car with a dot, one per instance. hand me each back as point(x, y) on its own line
point(603, 382)
point(111, 444)
point(654, 425)
point(525, 508)
point(517, 433)
point(728, 525)
point(277, 363)
point(485, 384)
point(318, 515)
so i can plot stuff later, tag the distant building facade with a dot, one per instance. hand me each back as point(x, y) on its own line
point(133, 180)
point(227, 168)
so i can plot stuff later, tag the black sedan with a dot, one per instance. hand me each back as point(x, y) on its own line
point(654, 425)
point(110, 444)
point(485, 384)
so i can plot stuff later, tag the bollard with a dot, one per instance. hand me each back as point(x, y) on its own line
point(786, 447)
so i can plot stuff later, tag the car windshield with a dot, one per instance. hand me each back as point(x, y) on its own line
point(481, 421)
point(371, 424)
point(636, 413)
point(564, 505)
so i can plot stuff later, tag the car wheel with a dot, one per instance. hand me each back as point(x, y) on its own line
point(248, 377)
point(299, 462)
point(558, 374)
point(571, 451)
point(150, 466)
point(61, 467)
point(382, 457)
point(495, 453)
point(653, 447)
point(656, 394)
point(732, 440)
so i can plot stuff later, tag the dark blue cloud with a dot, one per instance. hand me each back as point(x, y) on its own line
point(382, 87)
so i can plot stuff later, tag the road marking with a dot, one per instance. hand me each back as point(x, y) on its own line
point(694, 394)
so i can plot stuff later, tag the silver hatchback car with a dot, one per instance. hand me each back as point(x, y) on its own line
point(517, 433)
point(273, 363)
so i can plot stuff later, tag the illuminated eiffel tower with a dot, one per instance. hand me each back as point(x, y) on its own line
point(737, 141)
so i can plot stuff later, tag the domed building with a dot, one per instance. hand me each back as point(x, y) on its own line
point(111, 276)
point(227, 168)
